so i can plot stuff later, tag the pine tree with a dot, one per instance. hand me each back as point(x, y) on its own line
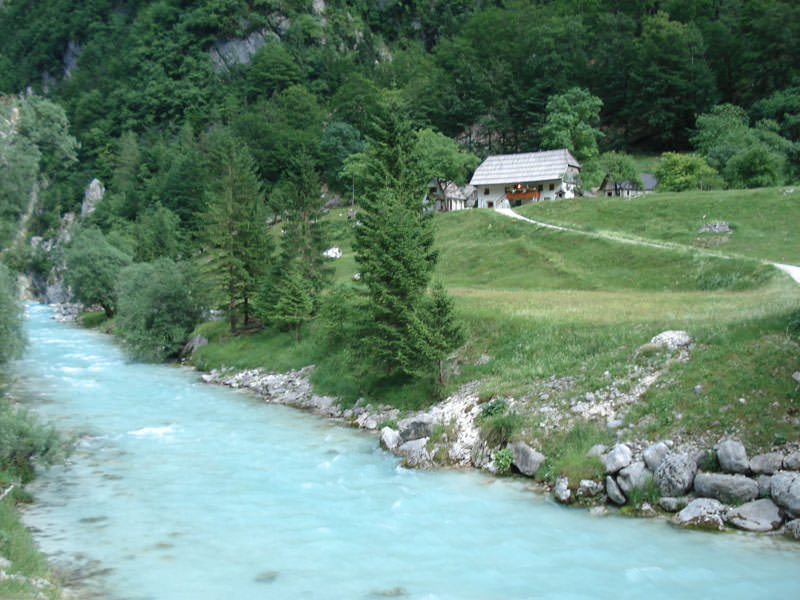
point(393, 244)
point(295, 303)
point(239, 246)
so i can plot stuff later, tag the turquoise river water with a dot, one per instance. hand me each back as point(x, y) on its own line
point(182, 490)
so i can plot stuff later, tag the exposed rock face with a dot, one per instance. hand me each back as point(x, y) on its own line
point(562, 491)
point(634, 476)
point(415, 453)
point(732, 456)
point(618, 457)
point(728, 488)
point(702, 513)
point(670, 504)
point(758, 515)
point(672, 340)
point(766, 463)
point(614, 493)
point(589, 488)
point(675, 474)
point(71, 55)
point(416, 427)
point(525, 458)
point(197, 341)
point(785, 490)
point(238, 51)
point(764, 483)
point(655, 454)
point(792, 529)
point(390, 439)
point(92, 196)
point(792, 462)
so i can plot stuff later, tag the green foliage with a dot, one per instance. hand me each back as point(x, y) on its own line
point(156, 311)
point(503, 459)
point(619, 167)
point(339, 140)
point(650, 493)
point(93, 266)
point(11, 334)
point(681, 172)
point(295, 301)
point(25, 442)
point(566, 452)
point(755, 166)
point(236, 229)
point(496, 424)
point(571, 123)
point(157, 234)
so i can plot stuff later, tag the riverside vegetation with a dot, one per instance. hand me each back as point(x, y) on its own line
point(24, 443)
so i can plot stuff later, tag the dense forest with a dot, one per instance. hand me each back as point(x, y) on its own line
point(205, 119)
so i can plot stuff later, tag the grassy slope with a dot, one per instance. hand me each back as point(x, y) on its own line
point(764, 221)
point(543, 303)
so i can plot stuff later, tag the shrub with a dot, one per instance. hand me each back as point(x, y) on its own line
point(503, 459)
point(156, 311)
point(23, 441)
point(566, 453)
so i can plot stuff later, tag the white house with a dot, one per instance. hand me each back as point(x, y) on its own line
point(445, 196)
point(507, 180)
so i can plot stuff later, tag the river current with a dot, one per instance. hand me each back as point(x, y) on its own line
point(181, 490)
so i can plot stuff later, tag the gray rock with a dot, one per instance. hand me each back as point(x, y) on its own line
point(197, 341)
point(646, 510)
point(764, 482)
point(766, 463)
point(4, 563)
point(728, 488)
point(785, 490)
point(758, 515)
point(525, 458)
point(702, 513)
point(597, 450)
point(229, 53)
point(732, 456)
point(614, 493)
point(792, 462)
point(92, 196)
point(792, 529)
point(390, 438)
point(719, 227)
point(655, 454)
point(618, 457)
point(636, 475)
point(416, 427)
point(796, 376)
point(562, 491)
point(672, 340)
point(415, 453)
point(589, 488)
point(671, 504)
point(675, 474)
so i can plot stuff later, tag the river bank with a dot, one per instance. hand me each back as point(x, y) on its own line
point(696, 485)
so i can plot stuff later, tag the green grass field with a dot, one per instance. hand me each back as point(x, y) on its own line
point(539, 303)
point(763, 221)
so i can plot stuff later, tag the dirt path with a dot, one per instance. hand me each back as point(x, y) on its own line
point(792, 270)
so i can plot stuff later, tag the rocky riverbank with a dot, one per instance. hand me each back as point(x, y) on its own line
point(702, 487)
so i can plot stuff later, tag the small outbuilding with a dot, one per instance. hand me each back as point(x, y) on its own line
point(508, 180)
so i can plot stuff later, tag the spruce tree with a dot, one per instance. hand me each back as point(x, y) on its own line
point(236, 233)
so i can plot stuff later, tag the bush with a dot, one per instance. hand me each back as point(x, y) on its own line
point(156, 310)
point(566, 452)
point(24, 441)
point(681, 172)
point(503, 459)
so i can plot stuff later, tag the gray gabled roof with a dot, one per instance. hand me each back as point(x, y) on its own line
point(529, 166)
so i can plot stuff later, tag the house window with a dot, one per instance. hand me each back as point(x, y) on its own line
point(541, 187)
point(485, 191)
point(552, 186)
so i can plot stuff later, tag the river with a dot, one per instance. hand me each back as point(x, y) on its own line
point(181, 490)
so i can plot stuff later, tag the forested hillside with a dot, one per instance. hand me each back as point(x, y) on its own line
point(206, 120)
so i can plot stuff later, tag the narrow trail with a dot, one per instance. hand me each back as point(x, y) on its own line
point(792, 270)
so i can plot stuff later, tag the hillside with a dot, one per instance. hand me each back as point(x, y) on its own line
point(559, 315)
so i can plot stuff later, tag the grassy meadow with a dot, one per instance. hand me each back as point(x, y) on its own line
point(540, 303)
point(763, 221)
